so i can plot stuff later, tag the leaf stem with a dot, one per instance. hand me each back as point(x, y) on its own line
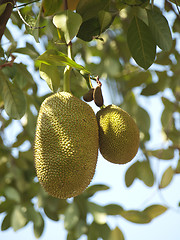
point(67, 70)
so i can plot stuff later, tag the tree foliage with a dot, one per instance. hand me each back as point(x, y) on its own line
point(129, 45)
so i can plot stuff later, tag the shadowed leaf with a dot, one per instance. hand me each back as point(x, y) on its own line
point(167, 177)
point(141, 43)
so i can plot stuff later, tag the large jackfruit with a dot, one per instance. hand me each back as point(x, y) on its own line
point(66, 145)
point(118, 135)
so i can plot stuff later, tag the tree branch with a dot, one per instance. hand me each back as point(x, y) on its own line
point(6, 15)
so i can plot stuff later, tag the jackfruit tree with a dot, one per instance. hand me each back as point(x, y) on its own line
point(75, 77)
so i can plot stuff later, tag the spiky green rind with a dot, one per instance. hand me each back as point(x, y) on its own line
point(66, 145)
point(118, 135)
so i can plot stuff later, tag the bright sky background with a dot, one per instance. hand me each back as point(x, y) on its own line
point(138, 196)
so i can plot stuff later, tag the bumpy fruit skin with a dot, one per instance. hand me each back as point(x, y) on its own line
point(118, 135)
point(66, 145)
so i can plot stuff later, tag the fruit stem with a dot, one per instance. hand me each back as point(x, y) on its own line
point(67, 70)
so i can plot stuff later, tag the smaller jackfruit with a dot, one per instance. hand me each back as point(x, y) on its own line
point(88, 97)
point(66, 145)
point(118, 135)
point(98, 97)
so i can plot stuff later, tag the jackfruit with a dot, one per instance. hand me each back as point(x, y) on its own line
point(66, 145)
point(118, 135)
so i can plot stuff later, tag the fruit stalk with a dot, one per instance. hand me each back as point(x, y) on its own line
point(67, 70)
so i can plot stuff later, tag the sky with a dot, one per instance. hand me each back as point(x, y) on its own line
point(138, 196)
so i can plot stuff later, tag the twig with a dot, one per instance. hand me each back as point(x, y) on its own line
point(26, 4)
point(9, 64)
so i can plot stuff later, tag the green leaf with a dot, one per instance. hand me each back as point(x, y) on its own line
point(89, 9)
point(71, 236)
point(81, 202)
point(143, 120)
point(34, 23)
point(155, 210)
point(35, 31)
point(150, 89)
point(178, 167)
point(97, 231)
point(38, 230)
point(10, 71)
point(6, 205)
point(69, 22)
point(90, 191)
point(89, 29)
point(9, 36)
point(80, 229)
point(141, 43)
point(138, 79)
point(116, 234)
point(165, 154)
point(28, 50)
point(56, 58)
point(33, 215)
point(134, 2)
point(136, 216)
point(14, 99)
point(113, 209)
point(6, 223)
point(51, 7)
point(131, 174)
point(50, 214)
point(167, 119)
point(140, 114)
point(51, 75)
point(97, 17)
point(2, 53)
point(71, 216)
point(20, 139)
point(163, 58)
point(38, 222)
point(141, 170)
point(18, 219)
point(145, 173)
point(23, 76)
point(98, 212)
point(3, 7)
point(167, 177)
point(160, 29)
point(12, 193)
point(173, 106)
point(105, 20)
